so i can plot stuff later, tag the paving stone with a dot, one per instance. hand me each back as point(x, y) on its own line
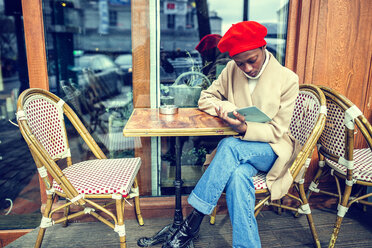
point(15, 170)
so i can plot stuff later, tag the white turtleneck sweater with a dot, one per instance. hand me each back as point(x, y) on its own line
point(252, 82)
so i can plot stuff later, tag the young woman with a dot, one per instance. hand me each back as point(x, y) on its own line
point(253, 78)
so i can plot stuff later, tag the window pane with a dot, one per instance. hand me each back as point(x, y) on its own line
point(184, 71)
point(90, 66)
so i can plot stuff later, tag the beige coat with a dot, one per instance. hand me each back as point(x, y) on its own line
point(275, 95)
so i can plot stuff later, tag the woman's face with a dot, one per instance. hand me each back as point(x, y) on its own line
point(251, 61)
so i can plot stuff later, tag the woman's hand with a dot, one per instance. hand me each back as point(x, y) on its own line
point(238, 124)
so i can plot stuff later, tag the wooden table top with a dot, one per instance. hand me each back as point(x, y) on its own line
point(146, 122)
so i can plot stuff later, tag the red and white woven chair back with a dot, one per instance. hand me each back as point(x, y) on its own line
point(45, 119)
point(305, 115)
point(333, 136)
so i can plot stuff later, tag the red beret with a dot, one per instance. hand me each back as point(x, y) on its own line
point(243, 36)
point(208, 42)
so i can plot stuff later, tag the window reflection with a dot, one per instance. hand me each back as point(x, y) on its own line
point(90, 66)
point(185, 71)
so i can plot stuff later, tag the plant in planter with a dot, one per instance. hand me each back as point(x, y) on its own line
point(188, 85)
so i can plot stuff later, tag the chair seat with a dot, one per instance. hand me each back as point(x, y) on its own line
point(259, 181)
point(102, 176)
point(362, 165)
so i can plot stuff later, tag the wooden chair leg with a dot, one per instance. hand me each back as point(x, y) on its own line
point(259, 206)
point(364, 207)
point(47, 210)
point(342, 208)
point(309, 216)
point(138, 211)
point(212, 221)
point(120, 228)
point(310, 220)
point(315, 180)
point(318, 175)
point(40, 237)
point(336, 230)
point(280, 210)
point(67, 212)
point(137, 204)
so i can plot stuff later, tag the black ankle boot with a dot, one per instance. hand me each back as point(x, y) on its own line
point(186, 232)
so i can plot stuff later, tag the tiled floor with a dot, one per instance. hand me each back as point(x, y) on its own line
point(28, 200)
point(275, 231)
point(18, 176)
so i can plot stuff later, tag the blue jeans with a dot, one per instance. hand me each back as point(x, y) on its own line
point(235, 163)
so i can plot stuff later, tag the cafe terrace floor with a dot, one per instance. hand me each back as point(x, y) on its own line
point(275, 231)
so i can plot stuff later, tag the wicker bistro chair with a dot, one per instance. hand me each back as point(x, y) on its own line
point(338, 156)
point(40, 116)
point(306, 126)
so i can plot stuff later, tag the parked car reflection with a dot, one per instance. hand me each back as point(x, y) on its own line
point(98, 64)
point(124, 61)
